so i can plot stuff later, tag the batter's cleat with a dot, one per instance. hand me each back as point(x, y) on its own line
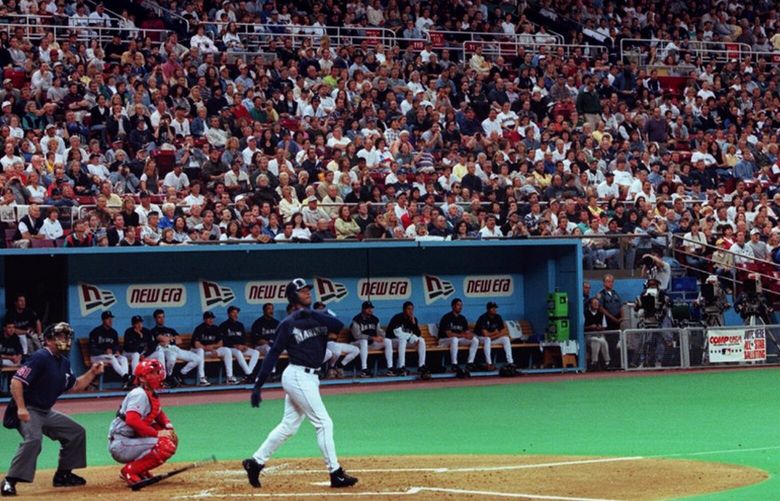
point(67, 479)
point(203, 382)
point(7, 488)
point(232, 380)
point(253, 469)
point(339, 478)
point(365, 373)
point(129, 475)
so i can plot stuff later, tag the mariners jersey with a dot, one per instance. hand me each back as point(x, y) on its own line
point(138, 342)
point(233, 333)
point(364, 326)
point(10, 345)
point(405, 323)
point(304, 334)
point(457, 324)
point(139, 401)
point(163, 330)
point(264, 329)
point(206, 334)
point(102, 339)
point(486, 323)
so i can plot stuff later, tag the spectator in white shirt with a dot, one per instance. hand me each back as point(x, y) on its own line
point(51, 229)
point(491, 229)
point(202, 42)
point(608, 188)
point(176, 179)
point(491, 126)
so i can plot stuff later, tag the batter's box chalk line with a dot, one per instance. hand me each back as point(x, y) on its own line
point(411, 491)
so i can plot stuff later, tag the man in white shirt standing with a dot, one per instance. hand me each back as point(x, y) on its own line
point(491, 126)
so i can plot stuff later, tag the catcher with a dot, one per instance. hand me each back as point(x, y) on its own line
point(141, 436)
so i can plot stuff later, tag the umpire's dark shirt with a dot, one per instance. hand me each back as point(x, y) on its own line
point(45, 377)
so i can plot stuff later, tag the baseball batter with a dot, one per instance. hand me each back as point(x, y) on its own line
point(304, 334)
point(141, 436)
point(368, 334)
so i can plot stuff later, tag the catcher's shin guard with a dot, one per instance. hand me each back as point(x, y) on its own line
point(160, 453)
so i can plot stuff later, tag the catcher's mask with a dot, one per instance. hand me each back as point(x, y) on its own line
point(62, 334)
point(151, 372)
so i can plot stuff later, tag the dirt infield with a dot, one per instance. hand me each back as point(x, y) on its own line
point(424, 477)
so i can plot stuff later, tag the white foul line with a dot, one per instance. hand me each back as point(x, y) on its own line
point(723, 451)
point(409, 492)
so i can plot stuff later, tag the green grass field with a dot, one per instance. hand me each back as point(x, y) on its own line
point(730, 417)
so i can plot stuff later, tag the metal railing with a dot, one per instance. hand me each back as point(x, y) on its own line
point(103, 34)
point(162, 11)
point(648, 52)
point(494, 48)
point(444, 38)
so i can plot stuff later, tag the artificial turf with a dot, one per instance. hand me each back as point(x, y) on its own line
point(680, 416)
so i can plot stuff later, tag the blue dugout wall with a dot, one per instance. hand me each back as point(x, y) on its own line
point(186, 281)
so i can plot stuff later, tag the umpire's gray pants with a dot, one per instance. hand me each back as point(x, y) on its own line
point(56, 426)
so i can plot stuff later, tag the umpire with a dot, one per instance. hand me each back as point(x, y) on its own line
point(35, 388)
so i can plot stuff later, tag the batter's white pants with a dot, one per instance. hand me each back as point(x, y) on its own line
point(117, 362)
point(454, 342)
point(132, 359)
point(401, 343)
point(254, 356)
point(364, 345)
point(503, 341)
point(598, 344)
point(168, 355)
point(302, 399)
point(224, 353)
point(337, 349)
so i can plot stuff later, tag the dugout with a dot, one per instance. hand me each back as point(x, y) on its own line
point(186, 281)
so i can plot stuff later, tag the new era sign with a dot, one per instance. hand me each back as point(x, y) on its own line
point(92, 298)
point(329, 291)
point(436, 288)
point(213, 295)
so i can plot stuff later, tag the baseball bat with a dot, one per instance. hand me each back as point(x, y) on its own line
point(158, 478)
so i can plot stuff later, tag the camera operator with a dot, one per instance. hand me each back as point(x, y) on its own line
point(653, 267)
point(653, 306)
point(712, 302)
point(751, 304)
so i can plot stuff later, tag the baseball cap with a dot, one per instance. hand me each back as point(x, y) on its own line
point(136, 319)
point(367, 304)
point(106, 314)
point(233, 308)
point(491, 304)
point(311, 199)
point(207, 314)
point(609, 174)
point(755, 231)
point(6, 103)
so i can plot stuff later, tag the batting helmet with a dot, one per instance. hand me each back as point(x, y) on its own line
point(150, 371)
point(293, 288)
point(62, 333)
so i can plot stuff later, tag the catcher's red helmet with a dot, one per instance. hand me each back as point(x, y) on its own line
point(150, 371)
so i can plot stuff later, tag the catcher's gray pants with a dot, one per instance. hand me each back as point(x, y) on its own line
point(56, 426)
point(127, 449)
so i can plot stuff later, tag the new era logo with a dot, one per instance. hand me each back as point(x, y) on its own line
point(436, 288)
point(329, 291)
point(92, 299)
point(212, 295)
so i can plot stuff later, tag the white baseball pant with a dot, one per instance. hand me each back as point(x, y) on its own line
point(132, 359)
point(454, 342)
point(364, 345)
point(117, 362)
point(254, 356)
point(168, 355)
point(337, 349)
point(302, 399)
point(401, 343)
point(503, 341)
point(224, 353)
point(598, 344)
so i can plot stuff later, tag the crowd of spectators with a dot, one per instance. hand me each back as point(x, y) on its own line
point(186, 139)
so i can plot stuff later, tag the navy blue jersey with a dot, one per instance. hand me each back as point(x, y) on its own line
point(206, 334)
point(486, 323)
point(164, 330)
point(138, 342)
point(233, 333)
point(45, 377)
point(405, 323)
point(10, 345)
point(264, 329)
point(102, 339)
point(304, 334)
point(457, 324)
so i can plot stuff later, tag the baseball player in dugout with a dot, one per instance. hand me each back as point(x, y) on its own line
point(35, 388)
point(141, 436)
point(304, 334)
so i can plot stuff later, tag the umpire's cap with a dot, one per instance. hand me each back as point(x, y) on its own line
point(294, 287)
